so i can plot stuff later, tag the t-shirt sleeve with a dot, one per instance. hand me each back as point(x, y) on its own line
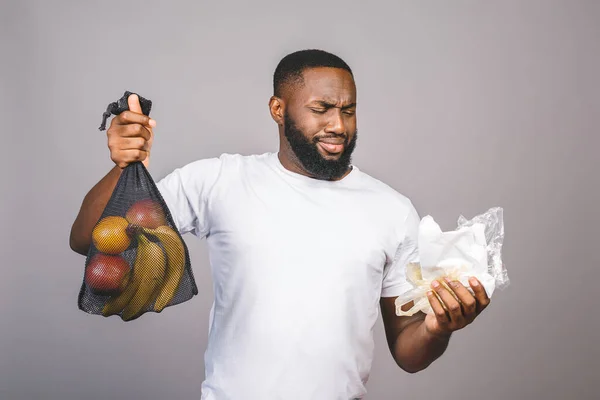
point(394, 280)
point(186, 192)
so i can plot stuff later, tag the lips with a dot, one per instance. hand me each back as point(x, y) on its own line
point(332, 145)
point(332, 148)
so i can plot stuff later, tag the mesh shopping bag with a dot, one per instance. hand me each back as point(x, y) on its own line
point(137, 261)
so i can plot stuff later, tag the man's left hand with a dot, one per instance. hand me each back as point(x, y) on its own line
point(458, 313)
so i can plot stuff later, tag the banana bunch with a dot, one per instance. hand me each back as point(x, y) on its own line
point(156, 274)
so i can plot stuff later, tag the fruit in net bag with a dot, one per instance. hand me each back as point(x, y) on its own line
point(148, 273)
point(151, 271)
point(175, 263)
point(137, 226)
point(110, 235)
point(146, 213)
point(107, 274)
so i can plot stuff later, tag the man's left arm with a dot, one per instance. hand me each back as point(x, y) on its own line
point(417, 341)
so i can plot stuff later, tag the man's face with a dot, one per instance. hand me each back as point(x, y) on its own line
point(320, 122)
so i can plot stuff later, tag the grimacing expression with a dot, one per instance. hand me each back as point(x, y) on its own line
point(320, 122)
point(307, 152)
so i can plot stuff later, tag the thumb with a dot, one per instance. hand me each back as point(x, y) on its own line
point(134, 103)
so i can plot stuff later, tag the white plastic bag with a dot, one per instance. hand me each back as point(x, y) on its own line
point(473, 249)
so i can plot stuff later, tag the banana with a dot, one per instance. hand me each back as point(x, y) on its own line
point(175, 263)
point(116, 304)
point(151, 272)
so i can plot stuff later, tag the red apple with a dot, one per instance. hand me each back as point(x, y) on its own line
point(107, 274)
point(146, 213)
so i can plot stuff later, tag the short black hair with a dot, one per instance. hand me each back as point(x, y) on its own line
point(290, 68)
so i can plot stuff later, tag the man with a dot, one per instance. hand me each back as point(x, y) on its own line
point(303, 246)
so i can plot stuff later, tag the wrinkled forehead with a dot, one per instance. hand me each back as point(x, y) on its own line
point(333, 85)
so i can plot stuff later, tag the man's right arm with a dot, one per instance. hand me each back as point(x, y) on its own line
point(129, 139)
point(91, 210)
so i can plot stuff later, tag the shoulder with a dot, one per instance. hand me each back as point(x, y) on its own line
point(210, 164)
point(227, 160)
point(219, 167)
point(386, 196)
point(243, 160)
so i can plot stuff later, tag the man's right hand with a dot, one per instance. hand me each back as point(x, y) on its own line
point(130, 135)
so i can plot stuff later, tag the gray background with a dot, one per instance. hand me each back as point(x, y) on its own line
point(462, 106)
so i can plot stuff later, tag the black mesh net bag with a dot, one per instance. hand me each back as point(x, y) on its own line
point(137, 261)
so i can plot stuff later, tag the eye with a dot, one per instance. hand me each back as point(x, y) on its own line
point(349, 112)
point(318, 111)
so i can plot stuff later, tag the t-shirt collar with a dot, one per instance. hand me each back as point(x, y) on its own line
point(274, 160)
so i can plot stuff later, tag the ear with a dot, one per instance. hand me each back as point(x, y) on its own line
point(277, 107)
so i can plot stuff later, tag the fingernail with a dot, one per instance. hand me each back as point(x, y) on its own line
point(448, 280)
point(473, 281)
point(435, 284)
point(152, 123)
point(429, 293)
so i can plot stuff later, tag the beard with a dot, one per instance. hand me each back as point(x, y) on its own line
point(307, 153)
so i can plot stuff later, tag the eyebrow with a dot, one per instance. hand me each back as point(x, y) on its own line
point(327, 104)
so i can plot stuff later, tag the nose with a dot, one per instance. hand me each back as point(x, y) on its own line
point(336, 123)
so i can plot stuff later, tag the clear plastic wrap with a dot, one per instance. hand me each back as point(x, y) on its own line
point(489, 225)
point(494, 236)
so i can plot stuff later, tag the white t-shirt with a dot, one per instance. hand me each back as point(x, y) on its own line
point(298, 267)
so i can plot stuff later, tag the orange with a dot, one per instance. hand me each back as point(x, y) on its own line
point(110, 235)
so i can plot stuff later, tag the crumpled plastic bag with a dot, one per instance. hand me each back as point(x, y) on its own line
point(473, 249)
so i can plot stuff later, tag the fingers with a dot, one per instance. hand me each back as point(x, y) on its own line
point(135, 130)
point(128, 137)
point(130, 144)
point(452, 304)
point(130, 117)
point(135, 143)
point(134, 115)
point(126, 157)
point(466, 299)
point(480, 294)
point(134, 104)
point(438, 309)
